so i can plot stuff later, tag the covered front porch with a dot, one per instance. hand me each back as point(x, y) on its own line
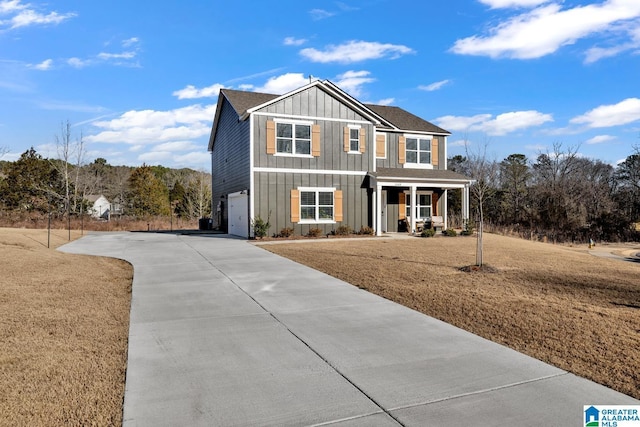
point(405, 198)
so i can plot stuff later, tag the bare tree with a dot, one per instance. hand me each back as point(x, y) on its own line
point(3, 151)
point(485, 173)
point(68, 150)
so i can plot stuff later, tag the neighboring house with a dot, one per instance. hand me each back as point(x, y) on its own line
point(318, 158)
point(99, 208)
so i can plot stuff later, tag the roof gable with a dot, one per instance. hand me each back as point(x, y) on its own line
point(244, 103)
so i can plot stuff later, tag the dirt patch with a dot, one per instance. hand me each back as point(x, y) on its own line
point(557, 304)
point(63, 333)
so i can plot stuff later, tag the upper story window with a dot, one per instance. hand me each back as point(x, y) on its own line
point(418, 151)
point(354, 139)
point(293, 138)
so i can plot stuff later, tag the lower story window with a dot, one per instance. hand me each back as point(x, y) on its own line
point(316, 205)
point(423, 205)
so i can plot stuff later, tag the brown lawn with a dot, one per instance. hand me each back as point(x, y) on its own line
point(561, 305)
point(64, 323)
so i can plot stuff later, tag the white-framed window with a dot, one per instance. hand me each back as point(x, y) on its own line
point(418, 150)
point(423, 205)
point(354, 139)
point(293, 138)
point(317, 205)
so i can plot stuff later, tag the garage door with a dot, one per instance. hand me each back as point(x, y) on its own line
point(238, 217)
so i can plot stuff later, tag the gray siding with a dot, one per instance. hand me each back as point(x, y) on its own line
point(315, 103)
point(229, 160)
point(273, 199)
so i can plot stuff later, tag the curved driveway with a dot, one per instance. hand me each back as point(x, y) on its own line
point(225, 333)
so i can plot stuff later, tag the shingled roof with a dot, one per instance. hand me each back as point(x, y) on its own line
point(401, 119)
point(404, 120)
point(241, 100)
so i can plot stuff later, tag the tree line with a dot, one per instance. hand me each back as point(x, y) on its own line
point(559, 195)
point(37, 185)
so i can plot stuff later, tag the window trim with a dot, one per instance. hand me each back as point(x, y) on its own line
point(293, 139)
point(317, 219)
point(409, 165)
point(359, 129)
point(417, 206)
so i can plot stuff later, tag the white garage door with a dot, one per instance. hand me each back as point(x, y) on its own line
point(238, 217)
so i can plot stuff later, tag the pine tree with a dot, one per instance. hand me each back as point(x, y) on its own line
point(147, 196)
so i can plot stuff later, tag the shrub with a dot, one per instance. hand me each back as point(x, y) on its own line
point(365, 229)
point(343, 230)
point(467, 228)
point(314, 232)
point(428, 232)
point(260, 227)
point(450, 232)
point(286, 232)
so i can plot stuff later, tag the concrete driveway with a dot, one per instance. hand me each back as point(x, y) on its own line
point(225, 333)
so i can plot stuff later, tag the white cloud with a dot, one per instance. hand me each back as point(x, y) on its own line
point(622, 113)
point(352, 82)
point(536, 147)
point(191, 92)
point(194, 158)
point(600, 139)
point(43, 66)
point(385, 101)
point(292, 41)
point(434, 86)
point(130, 42)
point(502, 124)
point(501, 4)
point(9, 6)
point(155, 157)
point(545, 29)
point(283, 83)
point(144, 127)
point(123, 55)
point(24, 15)
point(355, 51)
point(617, 44)
point(125, 58)
point(78, 63)
point(461, 123)
point(318, 14)
point(176, 146)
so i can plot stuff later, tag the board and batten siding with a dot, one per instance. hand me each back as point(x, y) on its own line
point(316, 104)
point(273, 199)
point(393, 151)
point(229, 159)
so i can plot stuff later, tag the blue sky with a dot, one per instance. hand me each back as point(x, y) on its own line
point(140, 83)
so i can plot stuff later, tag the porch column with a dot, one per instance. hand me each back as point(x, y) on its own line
point(413, 209)
point(444, 209)
point(465, 203)
point(378, 207)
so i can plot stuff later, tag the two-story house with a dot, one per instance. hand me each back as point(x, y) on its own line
point(318, 158)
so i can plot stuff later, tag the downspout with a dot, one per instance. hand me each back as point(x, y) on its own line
point(251, 195)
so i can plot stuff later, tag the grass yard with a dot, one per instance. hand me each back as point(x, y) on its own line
point(558, 304)
point(64, 325)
